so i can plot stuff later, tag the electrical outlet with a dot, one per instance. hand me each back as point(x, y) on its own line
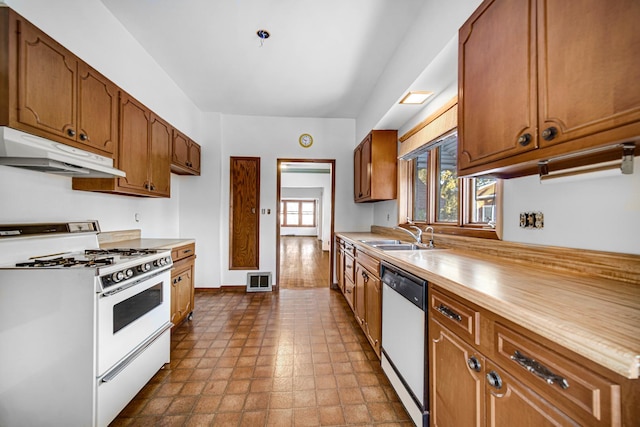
point(532, 220)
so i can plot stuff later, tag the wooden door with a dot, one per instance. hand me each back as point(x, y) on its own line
point(160, 156)
point(194, 157)
point(497, 78)
point(46, 85)
point(244, 220)
point(457, 391)
point(97, 111)
point(365, 168)
point(357, 173)
point(359, 300)
point(513, 404)
point(133, 153)
point(374, 311)
point(588, 67)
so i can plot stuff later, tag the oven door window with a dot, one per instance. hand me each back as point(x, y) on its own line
point(133, 308)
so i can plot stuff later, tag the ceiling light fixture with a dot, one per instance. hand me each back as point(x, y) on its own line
point(262, 35)
point(416, 97)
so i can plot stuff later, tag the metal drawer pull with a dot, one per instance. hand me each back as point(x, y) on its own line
point(449, 313)
point(539, 370)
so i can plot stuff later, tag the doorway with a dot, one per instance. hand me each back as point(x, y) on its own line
point(304, 238)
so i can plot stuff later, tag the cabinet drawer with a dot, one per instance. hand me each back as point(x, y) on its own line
point(368, 262)
point(349, 290)
point(348, 267)
point(349, 248)
point(456, 316)
point(183, 252)
point(572, 387)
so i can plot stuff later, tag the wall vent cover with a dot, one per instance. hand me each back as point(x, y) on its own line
point(258, 282)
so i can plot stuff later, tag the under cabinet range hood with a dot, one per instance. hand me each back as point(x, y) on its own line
point(22, 150)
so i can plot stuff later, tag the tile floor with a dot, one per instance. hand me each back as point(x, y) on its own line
point(293, 358)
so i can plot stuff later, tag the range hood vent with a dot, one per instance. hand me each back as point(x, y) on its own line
point(22, 150)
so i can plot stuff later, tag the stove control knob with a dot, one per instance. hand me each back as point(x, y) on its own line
point(167, 260)
point(117, 276)
point(129, 273)
point(145, 267)
point(159, 262)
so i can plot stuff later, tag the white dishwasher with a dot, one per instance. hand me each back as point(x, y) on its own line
point(404, 351)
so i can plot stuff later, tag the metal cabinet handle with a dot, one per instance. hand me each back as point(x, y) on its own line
point(449, 313)
point(186, 251)
point(525, 139)
point(494, 380)
point(474, 364)
point(71, 132)
point(83, 137)
point(549, 133)
point(539, 370)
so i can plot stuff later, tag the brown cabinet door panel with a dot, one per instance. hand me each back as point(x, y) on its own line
point(244, 221)
point(160, 156)
point(97, 110)
point(497, 76)
point(133, 156)
point(586, 89)
point(46, 84)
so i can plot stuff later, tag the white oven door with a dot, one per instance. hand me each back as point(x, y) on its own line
point(128, 317)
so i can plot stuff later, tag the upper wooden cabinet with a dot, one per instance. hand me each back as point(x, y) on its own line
point(49, 92)
point(144, 154)
point(375, 166)
point(185, 159)
point(545, 78)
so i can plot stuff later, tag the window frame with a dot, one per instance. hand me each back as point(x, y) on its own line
point(426, 137)
point(283, 213)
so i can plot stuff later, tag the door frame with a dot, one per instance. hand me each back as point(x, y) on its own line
point(332, 162)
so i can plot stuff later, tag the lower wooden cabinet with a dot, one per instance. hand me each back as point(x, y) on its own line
point(508, 376)
point(359, 281)
point(182, 284)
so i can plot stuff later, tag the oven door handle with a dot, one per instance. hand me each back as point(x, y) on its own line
point(113, 373)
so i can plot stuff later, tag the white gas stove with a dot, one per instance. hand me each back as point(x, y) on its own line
point(82, 329)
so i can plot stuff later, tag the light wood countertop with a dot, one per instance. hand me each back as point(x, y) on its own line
point(147, 243)
point(594, 317)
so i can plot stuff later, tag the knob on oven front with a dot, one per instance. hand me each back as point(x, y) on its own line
point(128, 273)
point(117, 276)
point(144, 267)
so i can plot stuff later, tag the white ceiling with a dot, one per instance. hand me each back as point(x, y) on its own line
point(323, 58)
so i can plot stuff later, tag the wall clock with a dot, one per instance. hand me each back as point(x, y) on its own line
point(305, 140)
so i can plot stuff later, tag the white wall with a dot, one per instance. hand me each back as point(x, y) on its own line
point(271, 138)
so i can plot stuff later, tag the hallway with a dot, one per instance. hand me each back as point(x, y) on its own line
point(303, 263)
point(288, 358)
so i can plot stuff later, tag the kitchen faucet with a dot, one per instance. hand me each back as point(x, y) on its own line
point(430, 240)
point(417, 235)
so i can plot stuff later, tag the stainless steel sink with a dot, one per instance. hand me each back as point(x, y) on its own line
point(400, 247)
point(393, 245)
point(381, 242)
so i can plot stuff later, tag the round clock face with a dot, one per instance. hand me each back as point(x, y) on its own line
point(305, 140)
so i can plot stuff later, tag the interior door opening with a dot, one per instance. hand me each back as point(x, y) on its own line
point(304, 223)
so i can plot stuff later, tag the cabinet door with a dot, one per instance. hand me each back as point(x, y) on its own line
point(497, 80)
point(340, 266)
point(194, 157)
point(374, 311)
point(180, 152)
point(133, 153)
point(360, 295)
point(181, 294)
point(97, 111)
point(357, 173)
point(160, 156)
point(365, 168)
point(457, 390)
point(510, 403)
point(46, 84)
point(593, 85)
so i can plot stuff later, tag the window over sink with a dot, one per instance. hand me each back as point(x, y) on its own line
point(431, 193)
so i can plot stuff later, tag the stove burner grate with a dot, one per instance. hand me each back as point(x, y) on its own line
point(121, 251)
point(66, 262)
